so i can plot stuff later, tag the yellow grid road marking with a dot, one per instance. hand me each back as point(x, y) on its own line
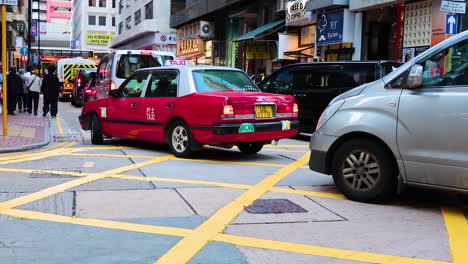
point(457, 231)
point(73, 150)
point(111, 155)
point(17, 155)
point(321, 251)
point(59, 125)
point(140, 228)
point(185, 249)
point(74, 183)
point(234, 162)
point(47, 154)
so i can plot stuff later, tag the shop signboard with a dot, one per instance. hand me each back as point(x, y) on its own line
point(258, 52)
point(330, 28)
point(297, 13)
point(100, 39)
point(165, 39)
point(453, 6)
point(9, 2)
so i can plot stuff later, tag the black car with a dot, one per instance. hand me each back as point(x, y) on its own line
point(81, 83)
point(315, 84)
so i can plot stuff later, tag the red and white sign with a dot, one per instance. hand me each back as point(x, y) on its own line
point(165, 39)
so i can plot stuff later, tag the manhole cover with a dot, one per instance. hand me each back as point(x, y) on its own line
point(274, 206)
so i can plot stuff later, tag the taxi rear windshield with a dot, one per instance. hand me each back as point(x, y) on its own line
point(127, 64)
point(222, 80)
point(87, 74)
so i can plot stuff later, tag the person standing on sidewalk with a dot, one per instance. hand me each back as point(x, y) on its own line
point(21, 98)
point(50, 88)
point(33, 85)
point(14, 83)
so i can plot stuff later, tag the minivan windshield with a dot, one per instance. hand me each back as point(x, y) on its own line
point(127, 64)
point(222, 80)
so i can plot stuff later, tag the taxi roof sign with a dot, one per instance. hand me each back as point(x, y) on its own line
point(176, 62)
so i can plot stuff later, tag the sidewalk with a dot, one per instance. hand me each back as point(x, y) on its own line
point(25, 131)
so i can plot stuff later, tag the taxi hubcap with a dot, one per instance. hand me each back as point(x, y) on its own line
point(361, 170)
point(180, 139)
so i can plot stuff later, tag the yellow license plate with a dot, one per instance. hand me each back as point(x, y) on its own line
point(263, 111)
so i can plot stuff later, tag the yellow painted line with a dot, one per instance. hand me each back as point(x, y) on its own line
point(36, 157)
point(74, 183)
point(309, 193)
point(304, 167)
point(233, 162)
point(457, 230)
point(158, 230)
point(321, 251)
point(59, 125)
point(64, 173)
point(32, 153)
point(111, 155)
point(88, 164)
point(186, 248)
point(161, 179)
point(73, 150)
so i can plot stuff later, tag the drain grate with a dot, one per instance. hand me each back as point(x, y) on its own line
point(274, 206)
point(68, 137)
point(41, 175)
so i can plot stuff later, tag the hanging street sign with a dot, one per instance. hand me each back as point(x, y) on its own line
point(9, 2)
point(453, 6)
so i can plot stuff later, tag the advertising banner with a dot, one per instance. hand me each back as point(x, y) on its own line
point(101, 39)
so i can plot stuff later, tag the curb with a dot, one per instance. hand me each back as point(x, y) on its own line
point(32, 146)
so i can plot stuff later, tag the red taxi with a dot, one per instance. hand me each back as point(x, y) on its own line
point(191, 106)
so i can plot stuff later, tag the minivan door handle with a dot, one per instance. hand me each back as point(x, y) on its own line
point(133, 105)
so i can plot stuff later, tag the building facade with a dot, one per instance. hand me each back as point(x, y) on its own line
point(93, 25)
point(144, 24)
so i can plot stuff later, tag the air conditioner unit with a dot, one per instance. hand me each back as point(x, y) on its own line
point(206, 29)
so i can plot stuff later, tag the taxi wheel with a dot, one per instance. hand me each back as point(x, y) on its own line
point(96, 131)
point(365, 171)
point(180, 139)
point(250, 147)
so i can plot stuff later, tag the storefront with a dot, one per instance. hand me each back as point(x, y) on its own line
point(299, 43)
point(191, 50)
point(335, 34)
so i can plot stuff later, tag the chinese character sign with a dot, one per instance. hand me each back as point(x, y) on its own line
point(150, 114)
point(330, 27)
point(98, 39)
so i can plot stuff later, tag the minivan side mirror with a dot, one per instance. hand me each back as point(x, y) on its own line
point(414, 77)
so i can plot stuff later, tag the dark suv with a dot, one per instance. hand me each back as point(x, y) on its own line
point(315, 84)
point(83, 76)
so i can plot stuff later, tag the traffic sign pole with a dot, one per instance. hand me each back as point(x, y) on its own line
point(4, 66)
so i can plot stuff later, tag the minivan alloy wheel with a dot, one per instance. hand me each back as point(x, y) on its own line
point(361, 170)
point(180, 139)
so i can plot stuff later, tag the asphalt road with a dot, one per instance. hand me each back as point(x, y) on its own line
point(134, 202)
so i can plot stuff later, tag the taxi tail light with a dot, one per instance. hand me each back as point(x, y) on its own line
point(228, 110)
point(90, 92)
point(112, 85)
point(295, 109)
point(79, 81)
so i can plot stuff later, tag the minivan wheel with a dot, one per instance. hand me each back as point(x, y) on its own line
point(180, 139)
point(96, 131)
point(364, 171)
point(250, 147)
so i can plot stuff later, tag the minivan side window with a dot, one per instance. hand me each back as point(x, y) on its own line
point(447, 68)
point(282, 82)
point(101, 72)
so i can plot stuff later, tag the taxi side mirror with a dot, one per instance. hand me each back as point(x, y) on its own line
point(114, 93)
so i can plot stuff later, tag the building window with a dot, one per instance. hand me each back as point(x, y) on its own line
point(120, 6)
point(113, 21)
point(128, 22)
point(137, 17)
point(102, 20)
point(120, 28)
point(113, 3)
point(102, 3)
point(91, 20)
point(92, 2)
point(149, 10)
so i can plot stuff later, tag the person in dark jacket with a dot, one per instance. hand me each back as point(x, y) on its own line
point(14, 84)
point(50, 88)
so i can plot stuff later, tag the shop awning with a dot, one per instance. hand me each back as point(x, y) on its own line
point(298, 52)
point(256, 33)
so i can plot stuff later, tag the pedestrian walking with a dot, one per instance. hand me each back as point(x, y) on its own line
point(50, 88)
point(21, 99)
point(14, 83)
point(26, 76)
point(34, 89)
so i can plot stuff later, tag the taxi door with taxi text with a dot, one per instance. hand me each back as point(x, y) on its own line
point(156, 108)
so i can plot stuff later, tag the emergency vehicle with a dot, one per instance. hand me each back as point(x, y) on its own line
point(66, 73)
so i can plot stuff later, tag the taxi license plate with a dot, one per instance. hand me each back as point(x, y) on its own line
point(263, 111)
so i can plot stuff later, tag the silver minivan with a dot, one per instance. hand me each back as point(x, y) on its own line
point(408, 128)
